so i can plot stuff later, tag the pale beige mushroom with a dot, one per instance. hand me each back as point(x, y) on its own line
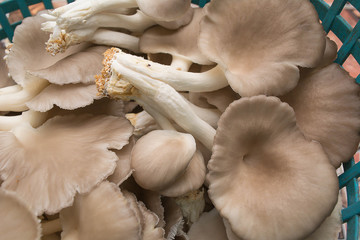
point(191, 180)
point(160, 157)
point(260, 48)
point(102, 214)
point(17, 222)
point(210, 226)
point(264, 172)
point(46, 166)
point(327, 108)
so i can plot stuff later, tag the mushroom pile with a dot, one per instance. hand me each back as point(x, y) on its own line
point(133, 119)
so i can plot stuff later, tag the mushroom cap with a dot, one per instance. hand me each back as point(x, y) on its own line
point(259, 44)
point(180, 42)
point(123, 164)
point(210, 226)
point(191, 180)
point(69, 96)
point(330, 228)
point(160, 157)
point(327, 108)
point(264, 172)
point(102, 214)
point(181, 21)
point(164, 10)
point(17, 222)
point(48, 165)
point(28, 51)
point(79, 67)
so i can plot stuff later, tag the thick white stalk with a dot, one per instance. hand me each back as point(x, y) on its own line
point(211, 80)
point(116, 39)
point(180, 63)
point(168, 101)
point(137, 22)
point(10, 89)
point(7, 123)
point(16, 100)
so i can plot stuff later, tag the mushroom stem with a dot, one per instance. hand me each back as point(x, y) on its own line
point(7, 123)
point(82, 9)
point(160, 119)
point(10, 89)
point(180, 63)
point(211, 80)
point(142, 122)
point(51, 226)
point(14, 98)
point(117, 39)
point(166, 100)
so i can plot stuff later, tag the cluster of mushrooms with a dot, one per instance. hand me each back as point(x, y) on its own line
point(150, 120)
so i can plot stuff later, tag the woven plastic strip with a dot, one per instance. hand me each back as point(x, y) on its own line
point(8, 6)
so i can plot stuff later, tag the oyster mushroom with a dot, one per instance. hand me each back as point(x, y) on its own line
point(268, 161)
point(93, 216)
point(47, 165)
point(260, 48)
point(326, 104)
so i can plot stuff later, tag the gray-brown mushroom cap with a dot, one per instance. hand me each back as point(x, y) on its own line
point(264, 172)
point(48, 165)
point(327, 108)
point(102, 214)
point(17, 222)
point(260, 48)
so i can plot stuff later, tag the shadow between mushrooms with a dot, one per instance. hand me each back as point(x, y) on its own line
point(47, 165)
point(264, 172)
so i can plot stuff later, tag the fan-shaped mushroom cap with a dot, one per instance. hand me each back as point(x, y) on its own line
point(79, 67)
point(164, 10)
point(259, 44)
point(28, 51)
point(102, 214)
point(330, 53)
point(209, 226)
point(48, 165)
point(160, 157)
point(327, 108)
point(191, 180)
point(17, 222)
point(69, 96)
point(264, 172)
point(181, 42)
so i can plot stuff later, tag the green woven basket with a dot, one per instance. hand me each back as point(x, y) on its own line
point(331, 21)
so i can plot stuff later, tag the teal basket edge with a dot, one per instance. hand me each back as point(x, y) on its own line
point(331, 20)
